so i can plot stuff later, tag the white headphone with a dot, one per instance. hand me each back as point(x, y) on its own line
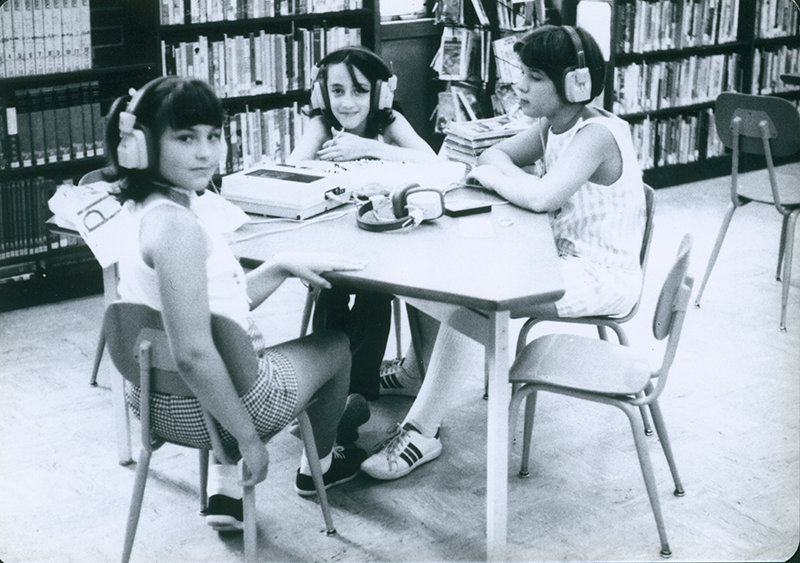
point(577, 79)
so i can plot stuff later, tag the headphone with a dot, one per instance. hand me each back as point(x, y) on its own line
point(136, 148)
point(577, 79)
point(410, 205)
point(382, 94)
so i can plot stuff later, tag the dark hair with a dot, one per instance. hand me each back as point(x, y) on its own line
point(373, 69)
point(550, 49)
point(168, 101)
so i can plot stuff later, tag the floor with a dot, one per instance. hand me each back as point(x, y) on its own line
point(731, 405)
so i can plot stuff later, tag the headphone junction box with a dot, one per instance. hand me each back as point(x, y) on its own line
point(464, 207)
point(284, 191)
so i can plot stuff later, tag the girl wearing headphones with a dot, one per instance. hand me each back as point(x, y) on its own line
point(352, 118)
point(164, 145)
point(592, 190)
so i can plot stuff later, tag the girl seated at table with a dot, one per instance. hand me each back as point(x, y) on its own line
point(164, 145)
point(352, 117)
point(592, 190)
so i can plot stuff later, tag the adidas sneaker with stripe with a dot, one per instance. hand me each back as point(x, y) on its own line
point(402, 453)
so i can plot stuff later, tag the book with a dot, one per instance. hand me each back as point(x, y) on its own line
point(22, 100)
point(98, 125)
point(88, 128)
point(450, 12)
point(37, 125)
point(76, 129)
point(62, 120)
point(38, 36)
point(12, 130)
point(9, 40)
point(49, 124)
point(5, 154)
point(17, 15)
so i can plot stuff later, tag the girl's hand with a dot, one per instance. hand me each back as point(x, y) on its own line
point(308, 266)
point(255, 455)
point(343, 147)
point(486, 175)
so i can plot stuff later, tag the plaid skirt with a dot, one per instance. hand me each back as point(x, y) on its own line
point(270, 402)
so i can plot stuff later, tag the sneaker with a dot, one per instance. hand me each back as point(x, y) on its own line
point(401, 453)
point(356, 413)
point(344, 467)
point(396, 381)
point(224, 514)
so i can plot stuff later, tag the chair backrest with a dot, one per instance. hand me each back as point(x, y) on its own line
point(672, 305)
point(780, 115)
point(91, 177)
point(127, 326)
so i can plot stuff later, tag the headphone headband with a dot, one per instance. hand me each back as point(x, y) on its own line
point(577, 42)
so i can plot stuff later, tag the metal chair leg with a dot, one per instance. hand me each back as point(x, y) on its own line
point(203, 481)
point(661, 428)
point(249, 517)
point(397, 313)
point(715, 252)
point(136, 502)
point(787, 265)
point(316, 471)
point(98, 355)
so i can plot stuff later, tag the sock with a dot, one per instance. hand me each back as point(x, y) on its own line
point(224, 480)
point(453, 355)
point(410, 364)
point(325, 463)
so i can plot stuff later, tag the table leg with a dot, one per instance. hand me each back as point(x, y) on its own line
point(497, 365)
point(121, 418)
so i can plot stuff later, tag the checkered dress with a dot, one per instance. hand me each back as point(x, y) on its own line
point(270, 402)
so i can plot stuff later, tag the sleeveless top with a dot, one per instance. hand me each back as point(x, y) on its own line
point(227, 287)
point(603, 224)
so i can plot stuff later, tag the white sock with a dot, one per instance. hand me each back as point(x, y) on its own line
point(325, 463)
point(224, 480)
point(454, 355)
point(410, 365)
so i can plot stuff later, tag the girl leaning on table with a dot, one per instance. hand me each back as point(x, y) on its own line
point(593, 193)
point(352, 118)
point(164, 145)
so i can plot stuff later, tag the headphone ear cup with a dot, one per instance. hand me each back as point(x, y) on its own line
point(135, 150)
point(399, 200)
point(317, 96)
point(386, 90)
point(578, 85)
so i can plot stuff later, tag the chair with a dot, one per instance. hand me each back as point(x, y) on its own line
point(769, 126)
point(139, 348)
point(603, 322)
point(613, 374)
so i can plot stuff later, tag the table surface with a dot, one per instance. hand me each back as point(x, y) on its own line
point(504, 260)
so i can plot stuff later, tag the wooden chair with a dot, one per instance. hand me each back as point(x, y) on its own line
point(769, 126)
point(613, 374)
point(602, 322)
point(139, 348)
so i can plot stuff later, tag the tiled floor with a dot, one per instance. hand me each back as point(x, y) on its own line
point(731, 405)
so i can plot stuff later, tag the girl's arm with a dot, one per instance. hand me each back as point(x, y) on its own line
point(401, 143)
point(265, 279)
point(592, 155)
point(310, 143)
point(175, 246)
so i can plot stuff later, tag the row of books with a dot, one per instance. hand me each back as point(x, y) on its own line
point(777, 18)
point(649, 25)
point(44, 36)
point(657, 85)
point(23, 213)
point(181, 12)
point(769, 65)
point(466, 140)
point(256, 136)
point(258, 63)
point(51, 124)
point(676, 140)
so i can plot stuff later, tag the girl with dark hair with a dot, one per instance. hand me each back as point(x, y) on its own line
point(164, 145)
point(592, 190)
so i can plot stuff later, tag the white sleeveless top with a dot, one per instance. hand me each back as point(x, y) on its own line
point(227, 287)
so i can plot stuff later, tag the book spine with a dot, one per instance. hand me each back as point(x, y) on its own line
point(22, 100)
point(88, 129)
point(38, 36)
point(85, 43)
point(5, 153)
point(37, 126)
point(62, 120)
point(76, 132)
point(97, 120)
point(49, 124)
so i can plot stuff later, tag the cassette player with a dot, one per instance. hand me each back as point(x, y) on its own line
point(284, 191)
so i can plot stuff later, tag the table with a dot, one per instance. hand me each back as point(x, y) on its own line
point(474, 273)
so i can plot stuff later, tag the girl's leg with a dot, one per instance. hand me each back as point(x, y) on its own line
point(322, 364)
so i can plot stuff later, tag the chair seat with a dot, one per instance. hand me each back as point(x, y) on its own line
point(788, 189)
point(574, 362)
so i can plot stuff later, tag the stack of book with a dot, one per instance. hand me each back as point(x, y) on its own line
point(466, 140)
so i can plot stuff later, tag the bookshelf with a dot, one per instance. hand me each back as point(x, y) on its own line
point(60, 75)
point(668, 62)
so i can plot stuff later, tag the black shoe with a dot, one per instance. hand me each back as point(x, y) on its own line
point(224, 514)
point(356, 413)
point(344, 467)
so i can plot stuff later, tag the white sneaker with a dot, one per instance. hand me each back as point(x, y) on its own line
point(401, 453)
point(396, 381)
